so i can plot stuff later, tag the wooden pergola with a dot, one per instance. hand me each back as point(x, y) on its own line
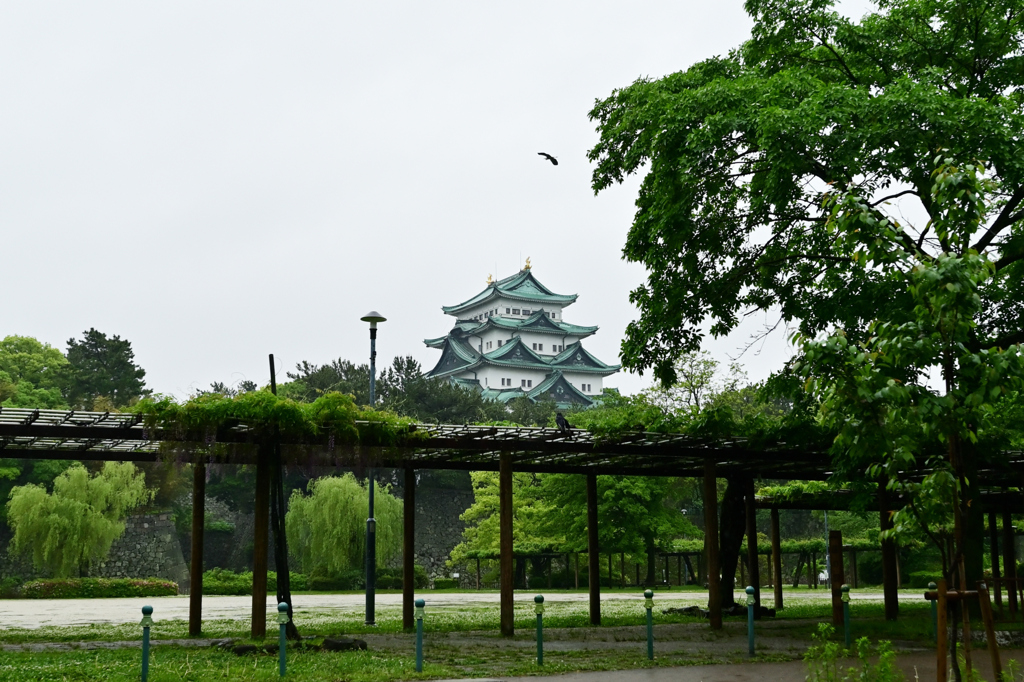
point(101, 436)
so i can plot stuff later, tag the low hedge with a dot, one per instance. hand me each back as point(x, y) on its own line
point(78, 588)
point(222, 581)
point(920, 579)
point(445, 583)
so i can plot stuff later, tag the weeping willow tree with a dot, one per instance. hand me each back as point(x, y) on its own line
point(74, 526)
point(327, 528)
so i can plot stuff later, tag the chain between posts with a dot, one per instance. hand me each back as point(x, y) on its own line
point(539, 610)
point(418, 614)
point(146, 623)
point(649, 605)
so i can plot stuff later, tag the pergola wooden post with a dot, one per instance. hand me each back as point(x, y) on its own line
point(593, 558)
point(890, 570)
point(505, 544)
point(776, 560)
point(711, 545)
point(1010, 562)
point(993, 547)
point(409, 548)
point(753, 564)
point(261, 530)
point(195, 595)
point(836, 576)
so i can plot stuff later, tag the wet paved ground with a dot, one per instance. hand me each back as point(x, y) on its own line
point(917, 665)
point(34, 613)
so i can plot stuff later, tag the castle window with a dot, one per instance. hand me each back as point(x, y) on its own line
point(526, 312)
point(540, 346)
point(535, 346)
point(515, 311)
point(529, 383)
point(508, 310)
point(499, 343)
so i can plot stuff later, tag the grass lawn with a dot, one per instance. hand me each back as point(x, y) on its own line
point(462, 641)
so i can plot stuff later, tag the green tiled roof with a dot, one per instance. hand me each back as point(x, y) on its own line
point(576, 358)
point(539, 322)
point(436, 343)
point(555, 386)
point(457, 356)
point(522, 286)
point(503, 395)
point(561, 391)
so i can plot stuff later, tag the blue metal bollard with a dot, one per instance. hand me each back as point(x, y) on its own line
point(147, 621)
point(845, 589)
point(649, 604)
point(282, 646)
point(935, 613)
point(419, 634)
point(750, 621)
point(539, 608)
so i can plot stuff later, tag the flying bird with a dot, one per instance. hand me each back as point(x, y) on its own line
point(550, 158)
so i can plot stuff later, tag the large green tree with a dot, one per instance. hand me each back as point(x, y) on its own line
point(327, 527)
point(67, 530)
point(309, 381)
point(549, 513)
point(404, 390)
point(875, 393)
point(103, 372)
point(736, 152)
point(32, 374)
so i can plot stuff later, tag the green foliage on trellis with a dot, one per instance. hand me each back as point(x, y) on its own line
point(268, 415)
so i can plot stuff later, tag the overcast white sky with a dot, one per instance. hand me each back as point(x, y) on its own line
point(216, 181)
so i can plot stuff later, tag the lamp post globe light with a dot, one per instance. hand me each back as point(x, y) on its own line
point(373, 317)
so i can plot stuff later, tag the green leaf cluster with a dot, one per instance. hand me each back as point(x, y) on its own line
point(330, 415)
point(327, 527)
point(737, 151)
point(74, 526)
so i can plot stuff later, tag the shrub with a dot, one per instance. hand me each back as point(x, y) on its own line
point(355, 579)
point(920, 579)
point(78, 588)
point(222, 581)
point(445, 583)
point(10, 587)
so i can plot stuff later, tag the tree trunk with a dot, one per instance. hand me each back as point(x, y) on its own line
point(731, 533)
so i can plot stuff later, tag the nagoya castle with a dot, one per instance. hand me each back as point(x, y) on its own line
point(511, 340)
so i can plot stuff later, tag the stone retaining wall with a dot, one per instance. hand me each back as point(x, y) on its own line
point(149, 548)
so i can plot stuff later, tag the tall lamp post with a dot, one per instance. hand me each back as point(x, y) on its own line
point(373, 317)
